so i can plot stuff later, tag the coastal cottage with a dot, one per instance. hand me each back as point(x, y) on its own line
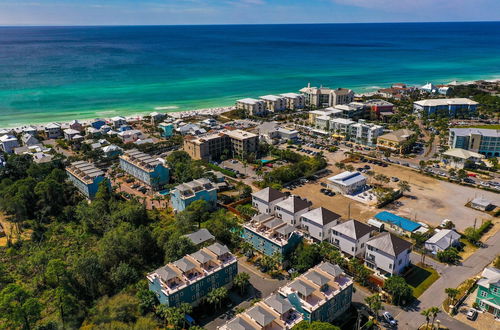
point(265, 200)
point(291, 209)
point(29, 140)
point(350, 237)
point(318, 223)
point(442, 240)
point(8, 143)
point(53, 131)
point(387, 254)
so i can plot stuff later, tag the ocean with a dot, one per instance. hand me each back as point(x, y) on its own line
point(64, 73)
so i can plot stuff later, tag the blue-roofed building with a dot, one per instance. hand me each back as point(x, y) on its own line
point(97, 123)
point(270, 235)
point(167, 129)
point(396, 223)
point(186, 193)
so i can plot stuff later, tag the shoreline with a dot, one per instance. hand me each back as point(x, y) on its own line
point(180, 114)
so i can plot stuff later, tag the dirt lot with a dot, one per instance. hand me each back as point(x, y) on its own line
point(9, 229)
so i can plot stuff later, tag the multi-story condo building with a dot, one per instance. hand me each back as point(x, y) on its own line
point(191, 278)
point(387, 254)
point(145, 168)
point(270, 235)
point(329, 112)
point(53, 131)
point(186, 193)
point(351, 237)
point(353, 110)
point(483, 141)
point(395, 141)
point(291, 209)
point(448, 107)
point(274, 312)
point(274, 103)
point(347, 183)
point(326, 97)
point(323, 122)
point(265, 200)
point(86, 177)
point(294, 101)
point(8, 143)
point(237, 143)
point(318, 223)
point(377, 106)
point(253, 107)
point(341, 126)
point(321, 294)
point(365, 133)
point(488, 293)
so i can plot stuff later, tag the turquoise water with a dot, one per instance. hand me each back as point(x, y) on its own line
point(62, 73)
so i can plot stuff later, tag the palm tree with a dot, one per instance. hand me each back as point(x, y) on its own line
point(452, 294)
point(184, 309)
point(434, 312)
point(427, 314)
point(404, 186)
point(340, 165)
point(374, 303)
point(241, 281)
point(217, 296)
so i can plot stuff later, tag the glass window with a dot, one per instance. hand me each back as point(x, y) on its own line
point(484, 294)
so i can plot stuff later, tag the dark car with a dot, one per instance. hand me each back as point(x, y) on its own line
point(367, 167)
point(467, 180)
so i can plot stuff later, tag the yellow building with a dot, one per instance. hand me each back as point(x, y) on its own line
point(395, 141)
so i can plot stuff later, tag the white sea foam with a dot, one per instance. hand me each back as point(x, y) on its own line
point(170, 107)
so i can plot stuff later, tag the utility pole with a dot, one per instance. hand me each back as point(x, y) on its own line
point(349, 211)
point(475, 219)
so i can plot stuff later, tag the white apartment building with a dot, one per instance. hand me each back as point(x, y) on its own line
point(347, 182)
point(53, 131)
point(365, 133)
point(351, 237)
point(254, 107)
point(326, 97)
point(265, 200)
point(319, 222)
point(341, 126)
point(294, 101)
point(387, 254)
point(274, 103)
point(118, 121)
point(291, 209)
point(8, 143)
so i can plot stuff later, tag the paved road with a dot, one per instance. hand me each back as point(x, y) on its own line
point(451, 277)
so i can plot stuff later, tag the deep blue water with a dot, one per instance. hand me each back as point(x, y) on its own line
point(61, 73)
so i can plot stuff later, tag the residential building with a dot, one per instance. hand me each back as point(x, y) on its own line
point(190, 129)
point(442, 240)
point(448, 107)
point(365, 133)
point(130, 136)
point(326, 97)
point(29, 140)
point(294, 101)
point(8, 143)
point(353, 110)
point(192, 277)
point(112, 151)
point(97, 123)
point(156, 117)
point(145, 168)
point(270, 235)
point(488, 292)
point(341, 127)
point(71, 134)
point(86, 177)
point(482, 204)
point(167, 129)
point(53, 131)
point(377, 106)
point(186, 193)
point(30, 130)
point(341, 96)
point(318, 223)
point(274, 103)
point(397, 224)
point(397, 141)
point(350, 237)
point(265, 200)
point(329, 112)
point(118, 122)
point(76, 125)
point(291, 209)
point(322, 294)
point(461, 158)
point(252, 106)
point(237, 143)
point(93, 132)
point(483, 141)
point(201, 237)
point(347, 183)
point(323, 122)
point(274, 312)
point(387, 254)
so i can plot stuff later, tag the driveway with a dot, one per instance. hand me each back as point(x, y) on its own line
point(451, 277)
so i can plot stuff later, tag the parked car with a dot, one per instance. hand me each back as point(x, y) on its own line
point(394, 179)
point(471, 314)
point(389, 319)
point(467, 180)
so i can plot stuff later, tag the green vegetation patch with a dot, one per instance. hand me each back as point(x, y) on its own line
point(420, 279)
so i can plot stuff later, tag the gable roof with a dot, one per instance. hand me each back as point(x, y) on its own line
point(396, 220)
point(333, 270)
point(389, 243)
point(269, 194)
point(294, 204)
point(261, 315)
point(218, 249)
point(353, 229)
point(200, 236)
point(443, 238)
point(490, 275)
point(239, 324)
point(321, 215)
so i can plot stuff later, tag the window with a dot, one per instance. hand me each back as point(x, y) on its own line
point(362, 245)
point(484, 294)
point(390, 266)
point(352, 249)
point(399, 262)
point(495, 290)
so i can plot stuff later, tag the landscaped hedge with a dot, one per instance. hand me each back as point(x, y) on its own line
point(222, 170)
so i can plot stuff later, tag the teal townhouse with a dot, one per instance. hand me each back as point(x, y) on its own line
point(270, 235)
point(145, 168)
point(167, 129)
point(191, 278)
point(86, 177)
point(448, 107)
point(186, 193)
point(488, 293)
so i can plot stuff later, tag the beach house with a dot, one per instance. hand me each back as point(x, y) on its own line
point(442, 240)
point(53, 131)
point(350, 237)
point(318, 223)
point(167, 129)
point(145, 168)
point(488, 292)
point(291, 209)
point(186, 193)
point(86, 177)
point(265, 200)
point(118, 122)
point(8, 143)
point(387, 254)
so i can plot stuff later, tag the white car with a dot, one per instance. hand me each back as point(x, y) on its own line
point(389, 319)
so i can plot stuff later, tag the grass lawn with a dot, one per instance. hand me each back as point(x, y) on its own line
point(420, 278)
point(468, 249)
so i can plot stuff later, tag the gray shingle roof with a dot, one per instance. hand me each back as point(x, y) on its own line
point(278, 303)
point(317, 278)
point(321, 216)
point(218, 249)
point(294, 204)
point(269, 194)
point(166, 273)
point(301, 287)
point(200, 236)
point(201, 256)
point(260, 315)
point(333, 270)
point(239, 324)
point(353, 229)
point(285, 230)
point(184, 264)
point(389, 243)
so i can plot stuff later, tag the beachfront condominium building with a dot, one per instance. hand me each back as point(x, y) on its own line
point(365, 133)
point(270, 235)
point(326, 97)
point(397, 141)
point(186, 193)
point(294, 101)
point(274, 312)
point(322, 294)
point(251, 106)
point(458, 107)
point(231, 143)
point(8, 143)
point(488, 292)
point(318, 223)
point(145, 168)
point(86, 177)
point(291, 209)
point(192, 277)
point(387, 254)
point(265, 200)
point(483, 141)
point(350, 237)
point(274, 103)
point(347, 183)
